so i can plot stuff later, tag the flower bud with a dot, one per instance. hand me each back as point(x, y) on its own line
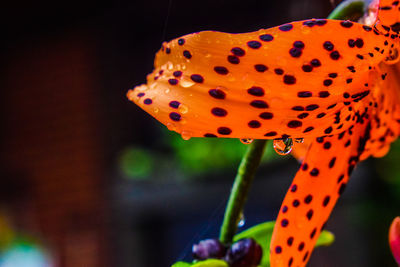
point(209, 248)
point(244, 253)
point(394, 239)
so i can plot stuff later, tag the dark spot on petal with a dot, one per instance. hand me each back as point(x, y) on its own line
point(266, 37)
point(312, 107)
point(346, 24)
point(260, 67)
point(217, 93)
point(197, 78)
point(332, 162)
point(233, 59)
point(309, 214)
point(326, 201)
point(324, 94)
point(327, 82)
point(328, 130)
point(237, 51)
point(175, 116)
point(308, 199)
point(181, 41)
point(271, 134)
point(148, 101)
point(259, 104)
point(289, 79)
point(187, 54)
point(286, 27)
point(335, 55)
point(328, 46)
point(315, 62)
point(307, 68)
point(278, 71)
point(219, 112)
point(224, 130)
point(314, 172)
point(174, 104)
point(173, 81)
point(293, 188)
point(266, 115)
point(221, 70)
point(254, 44)
point(256, 91)
point(308, 129)
point(294, 124)
point(284, 223)
point(295, 52)
point(301, 246)
point(254, 124)
point(298, 44)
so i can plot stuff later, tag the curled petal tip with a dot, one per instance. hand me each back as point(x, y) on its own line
point(394, 239)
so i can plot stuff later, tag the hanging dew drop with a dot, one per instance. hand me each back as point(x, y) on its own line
point(246, 141)
point(242, 221)
point(283, 146)
point(171, 126)
point(299, 140)
point(186, 135)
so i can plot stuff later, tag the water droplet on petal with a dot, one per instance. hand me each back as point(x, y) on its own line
point(283, 146)
point(246, 141)
point(170, 66)
point(186, 82)
point(186, 135)
point(171, 126)
point(299, 140)
point(156, 110)
point(183, 109)
point(167, 90)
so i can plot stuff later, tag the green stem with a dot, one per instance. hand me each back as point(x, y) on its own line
point(240, 189)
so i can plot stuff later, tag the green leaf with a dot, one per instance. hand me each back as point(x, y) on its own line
point(211, 263)
point(262, 234)
point(206, 263)
point(181, 264)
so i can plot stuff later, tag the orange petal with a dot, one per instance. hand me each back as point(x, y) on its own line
point(319, 182)
point(394, 239)
point(294, 80)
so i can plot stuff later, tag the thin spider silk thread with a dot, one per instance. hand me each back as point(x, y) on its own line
point(164, 33)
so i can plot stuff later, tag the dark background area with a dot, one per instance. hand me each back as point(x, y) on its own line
point(65, 122)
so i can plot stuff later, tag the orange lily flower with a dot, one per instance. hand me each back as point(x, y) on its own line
point(327, 81)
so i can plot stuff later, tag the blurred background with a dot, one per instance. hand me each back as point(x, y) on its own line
point(88, 179)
